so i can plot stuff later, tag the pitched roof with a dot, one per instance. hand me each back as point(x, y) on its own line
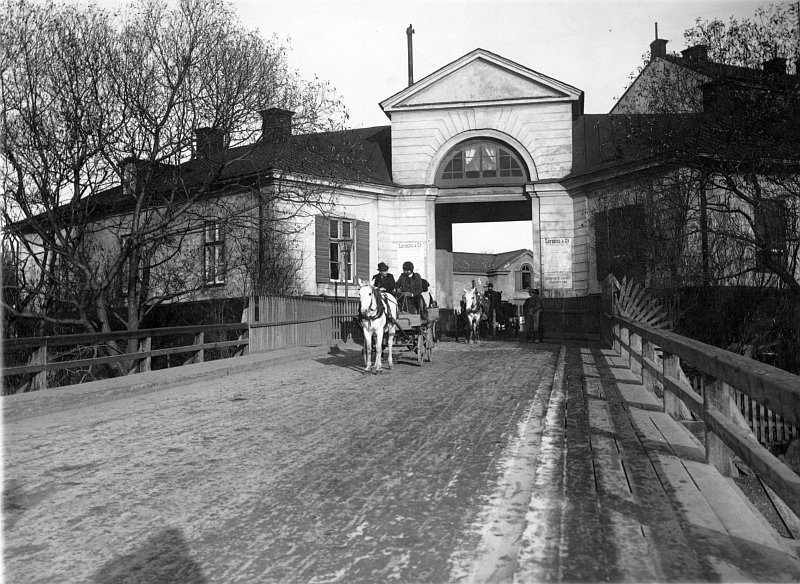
point(729, 132)
point(715, 70)
point(358, 156)
point(484, 263)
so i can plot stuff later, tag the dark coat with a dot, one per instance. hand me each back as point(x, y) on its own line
point(532, 304)
point(412, 283)
point(386, 282)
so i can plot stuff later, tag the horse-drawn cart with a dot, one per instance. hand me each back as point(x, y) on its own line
point(418, 334)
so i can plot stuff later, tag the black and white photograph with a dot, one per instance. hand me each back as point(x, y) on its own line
point(400, 291)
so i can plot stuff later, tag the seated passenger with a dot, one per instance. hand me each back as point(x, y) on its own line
point(383, 280)
point(409, 292)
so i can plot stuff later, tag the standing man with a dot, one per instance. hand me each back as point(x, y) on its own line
point(533, 313)
point(492, 306)
point(383, 280)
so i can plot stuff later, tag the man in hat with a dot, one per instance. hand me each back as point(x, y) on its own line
point(492, 305)
point(409, 290)
point(533, 313)
point(383, 280)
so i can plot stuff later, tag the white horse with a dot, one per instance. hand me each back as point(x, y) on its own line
point(378, 314)
point(473, 309)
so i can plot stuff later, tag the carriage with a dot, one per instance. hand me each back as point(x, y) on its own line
point(418, 335)
point(379, 313)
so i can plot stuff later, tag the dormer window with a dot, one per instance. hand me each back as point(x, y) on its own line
point(479, 162)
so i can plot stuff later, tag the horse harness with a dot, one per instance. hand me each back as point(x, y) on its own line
point(475, 308)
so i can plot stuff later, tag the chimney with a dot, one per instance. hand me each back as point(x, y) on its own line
point(208, 142)
point(775, 66)
point(130, 171)
point(658, 48)
point(696, 53)
point(409, 32)
point(276, 125)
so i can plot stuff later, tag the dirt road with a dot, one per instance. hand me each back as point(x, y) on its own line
point(309, 471)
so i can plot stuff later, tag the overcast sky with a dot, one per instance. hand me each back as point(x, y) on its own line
point(360, 47)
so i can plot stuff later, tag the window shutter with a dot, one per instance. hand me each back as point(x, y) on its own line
point(518, 279)
point(362, 251)
point(322, 252)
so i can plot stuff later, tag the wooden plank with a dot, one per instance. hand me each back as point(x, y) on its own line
point(749, 530)
point(639, 397)
point(95, 338)
point(707, 533)
point(593, 388)
point(633, 558)
point(659, 429)
point(538, 558)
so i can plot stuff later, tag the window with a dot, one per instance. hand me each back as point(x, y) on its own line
point(340, 234)
point(769, 221)
point(213, 254)
point(621, 239)
point(525, 277)
point(481, 162)
point(328, 235)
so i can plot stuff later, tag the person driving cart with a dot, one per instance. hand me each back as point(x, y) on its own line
point(409, 292)
point(384, 280)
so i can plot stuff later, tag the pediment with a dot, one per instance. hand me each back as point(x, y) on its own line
point(480, 77)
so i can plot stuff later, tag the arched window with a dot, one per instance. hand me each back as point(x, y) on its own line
point(524, 277)
point(480, 162)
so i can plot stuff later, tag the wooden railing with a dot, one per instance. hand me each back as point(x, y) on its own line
point(727, 433)
point(46, 355)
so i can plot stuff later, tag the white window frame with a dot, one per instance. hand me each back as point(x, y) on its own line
point(214, 253)
point(345, 229)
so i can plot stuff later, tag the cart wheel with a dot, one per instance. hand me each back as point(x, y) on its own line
point(420, 347)
point(429, 344)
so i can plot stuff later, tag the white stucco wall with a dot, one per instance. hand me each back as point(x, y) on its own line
point(543, 133)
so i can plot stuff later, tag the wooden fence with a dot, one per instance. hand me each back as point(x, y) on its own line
point(284, 321)
point(658, 356)
point(56, 353)
point(572, 318)
point(770, 428)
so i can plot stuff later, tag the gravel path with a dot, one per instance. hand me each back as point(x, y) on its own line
point(309, 471)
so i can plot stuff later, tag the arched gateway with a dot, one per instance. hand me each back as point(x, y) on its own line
point(484, 139)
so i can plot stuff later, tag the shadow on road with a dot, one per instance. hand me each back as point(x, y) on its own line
point(350, 357)
point(163, 559)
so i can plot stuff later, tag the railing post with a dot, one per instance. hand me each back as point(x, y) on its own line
point(38, 380)
point(672, 367)
point(718, 395)
point(200, 354)
point(648, 379)
point(624, 337)
point(636, 350)
point(616, 329)
point(244, 349)
point(145, 362)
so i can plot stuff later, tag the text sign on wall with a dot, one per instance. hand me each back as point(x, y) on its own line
point(413, 252)
point(557, 262)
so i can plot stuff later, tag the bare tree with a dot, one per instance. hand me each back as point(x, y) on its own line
point(125, 137)
point(714, 136)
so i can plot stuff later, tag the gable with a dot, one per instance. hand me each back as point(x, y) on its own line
point(481, 77)
point(480, 81)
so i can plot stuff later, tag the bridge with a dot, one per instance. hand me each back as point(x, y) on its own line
point(498, 462)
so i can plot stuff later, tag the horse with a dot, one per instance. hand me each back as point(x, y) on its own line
point(472, 307)
point(378, 315)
